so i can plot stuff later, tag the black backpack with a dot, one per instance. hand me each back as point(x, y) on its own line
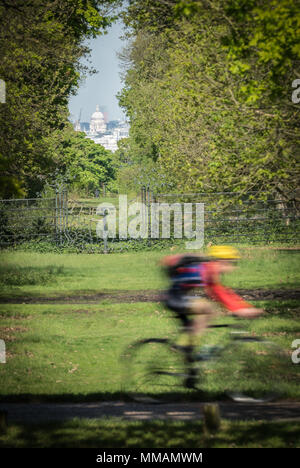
point(181, 268)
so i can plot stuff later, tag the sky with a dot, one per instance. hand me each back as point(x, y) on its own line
point(101, 88)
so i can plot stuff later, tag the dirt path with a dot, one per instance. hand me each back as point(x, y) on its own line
point(44, 412)
point(142, 296)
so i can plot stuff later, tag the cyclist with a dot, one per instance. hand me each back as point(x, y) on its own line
point(188, 272)
point(223, 260)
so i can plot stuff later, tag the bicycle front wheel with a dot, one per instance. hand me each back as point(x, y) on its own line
point(155, 371)
point(255, 369)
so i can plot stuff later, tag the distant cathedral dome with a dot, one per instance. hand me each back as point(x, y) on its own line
point(97, 124)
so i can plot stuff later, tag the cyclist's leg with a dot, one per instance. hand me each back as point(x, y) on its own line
point(203, 312)
point(194, 313)
point(186, 330)
point(178, 304)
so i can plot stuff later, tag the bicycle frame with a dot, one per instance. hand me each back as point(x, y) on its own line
point(167, 367)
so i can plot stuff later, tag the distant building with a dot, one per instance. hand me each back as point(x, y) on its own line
point(108, 141)
point(97, 123)
point(105, 134)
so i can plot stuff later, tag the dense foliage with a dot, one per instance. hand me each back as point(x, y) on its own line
point(41, 43)
point(208, 87)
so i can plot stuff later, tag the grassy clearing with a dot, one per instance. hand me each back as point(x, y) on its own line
point(72, 352)
point(36, 274)
point(112, 433)
point(82, 273)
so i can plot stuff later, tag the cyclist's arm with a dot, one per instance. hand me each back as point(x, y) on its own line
point(227, 297)
point(232, 302)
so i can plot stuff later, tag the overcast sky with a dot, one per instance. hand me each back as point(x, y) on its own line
point(102, 87)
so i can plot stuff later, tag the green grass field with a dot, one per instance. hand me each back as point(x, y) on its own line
point(35, 274)
point(72, 351)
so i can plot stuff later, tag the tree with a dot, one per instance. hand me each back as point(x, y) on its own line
point(84, 165)
point(41, 44)
point(209, 103)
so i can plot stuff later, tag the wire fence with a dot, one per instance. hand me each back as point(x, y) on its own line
point(28, 219)
point(236, 217)
point(148, 220)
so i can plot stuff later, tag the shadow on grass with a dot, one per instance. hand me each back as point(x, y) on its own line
point(168, 397)
point(262, 434)
point(150, 434)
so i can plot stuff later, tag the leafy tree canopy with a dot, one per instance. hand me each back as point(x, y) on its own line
point(208, 90)
point(41, 44)
point(84, 164)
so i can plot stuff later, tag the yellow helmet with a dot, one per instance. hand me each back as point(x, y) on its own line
point(223, 252)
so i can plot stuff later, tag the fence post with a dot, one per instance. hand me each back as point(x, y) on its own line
point(143, 201)
point(105, 230)
point(149, 213)
point(65, 210)
point(56, 216)
point(60, 216)
point(212, 418)
point(67, 220)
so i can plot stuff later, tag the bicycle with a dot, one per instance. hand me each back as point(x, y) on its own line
point(250, 368)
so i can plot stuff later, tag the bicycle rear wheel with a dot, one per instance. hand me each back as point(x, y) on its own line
point(155, 371)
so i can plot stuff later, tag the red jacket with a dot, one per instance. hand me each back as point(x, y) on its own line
point(215, 290)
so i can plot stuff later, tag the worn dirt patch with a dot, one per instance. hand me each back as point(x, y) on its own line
point(8, 333)
point(141, 296)
point(15, 317)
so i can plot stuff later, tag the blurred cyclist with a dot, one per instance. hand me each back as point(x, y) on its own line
point(190, 271)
